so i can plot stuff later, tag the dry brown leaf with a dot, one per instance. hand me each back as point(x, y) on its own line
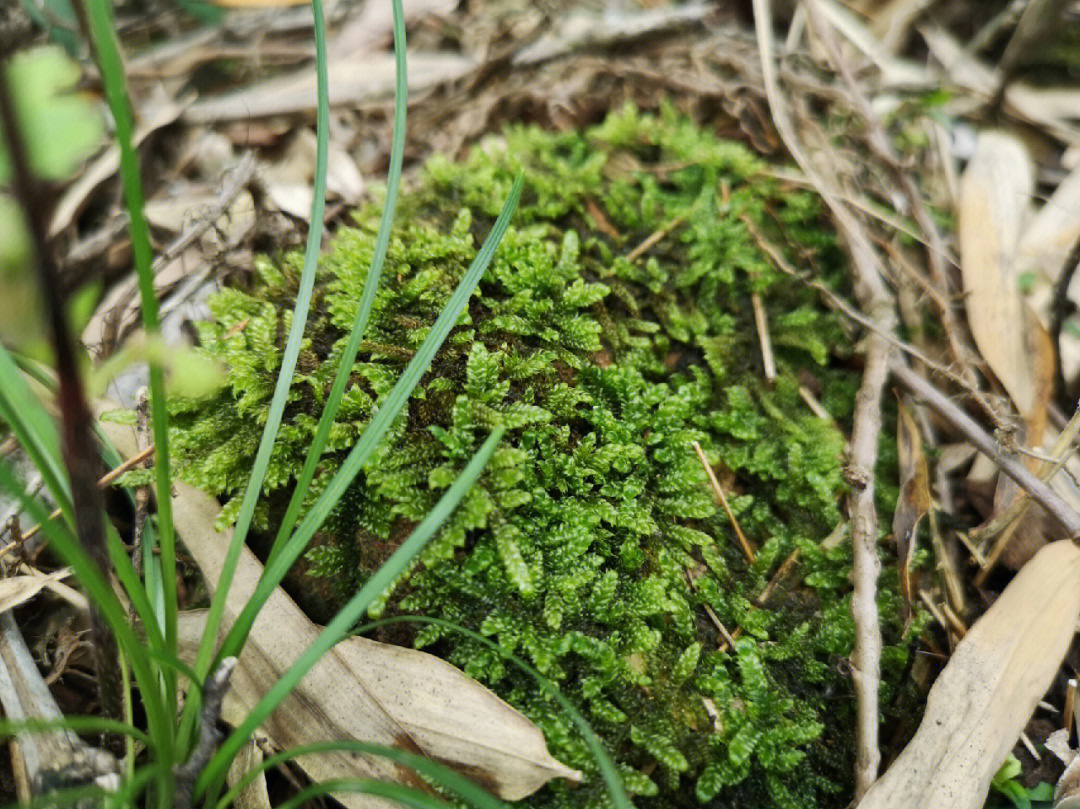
point(989, 689)
point(995, 193)
point(914, 500)
point(362, 689)
point(289, 180)
point(17, 590)
point(255, 795)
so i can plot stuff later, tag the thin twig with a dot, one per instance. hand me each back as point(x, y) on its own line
point(653, 238)
point(747, 546)
point(761, 322)
point(103, 481)
point(877, 301)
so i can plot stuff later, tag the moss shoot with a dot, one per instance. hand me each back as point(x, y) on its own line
point(591, 545)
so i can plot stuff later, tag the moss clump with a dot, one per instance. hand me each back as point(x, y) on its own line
point(591, 545)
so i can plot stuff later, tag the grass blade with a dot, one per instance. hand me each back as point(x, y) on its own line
point(363, 312)
point(376, 429)
point(35, 431)
point(112, 74)
point(288, 364)
point(77, 724)
point(448, 779)
point(339, 628)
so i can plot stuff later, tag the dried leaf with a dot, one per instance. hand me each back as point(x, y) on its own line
point(362, 689)
point(995, 192)
point(255, 795)
point(989, 689)
point(18, 590)
point(914, 500)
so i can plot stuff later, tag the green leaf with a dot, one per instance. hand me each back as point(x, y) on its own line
point(60, 128)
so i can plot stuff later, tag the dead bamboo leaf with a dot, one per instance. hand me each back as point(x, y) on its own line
point(995, 193)
point(17, 590)
point(295, 92)
point(989, 689)
point(914, 500)
point(362, 689)
point(255, 795)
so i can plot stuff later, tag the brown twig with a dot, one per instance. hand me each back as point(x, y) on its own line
point(103, 481)
point(746, 544)
point(877, 301)
point(653, 239)
point(762, 324)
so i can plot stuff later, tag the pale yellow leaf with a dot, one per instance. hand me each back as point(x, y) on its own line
point(17, 590)
point(988, 691)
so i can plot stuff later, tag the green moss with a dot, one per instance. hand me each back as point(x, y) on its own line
point(591, 545)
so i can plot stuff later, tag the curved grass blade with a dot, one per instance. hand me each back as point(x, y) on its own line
point(363, 312)
point(448, 779)
point(76, 724)
point(112, 74)
point(339, 627)
point(35, 431)
point(205, 657)
point(373, 434)
point(406, 796)
point(603, 759)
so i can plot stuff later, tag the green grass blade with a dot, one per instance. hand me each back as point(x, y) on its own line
point(129, 579)
point(339, 627)
point(76, 724)
point(406, 796)
point(363, 312)
point(603, 759)
point(34, 430)
point(68, 548)
point(442, 775)
point(112, 75)
point(373, 434)
point(147, 602)
point(288, 364)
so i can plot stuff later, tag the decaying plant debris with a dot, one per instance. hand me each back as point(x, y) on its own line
point(937, 311)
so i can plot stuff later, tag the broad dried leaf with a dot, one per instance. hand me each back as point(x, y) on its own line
point(255, 795)
point(18, 590)
point(995, 192)
point(914, 500)
point(362, 689)
point(989, 689)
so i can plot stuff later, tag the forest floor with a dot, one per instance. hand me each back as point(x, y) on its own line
point(943, 137)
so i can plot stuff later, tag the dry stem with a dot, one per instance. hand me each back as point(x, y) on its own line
point(876, 300)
